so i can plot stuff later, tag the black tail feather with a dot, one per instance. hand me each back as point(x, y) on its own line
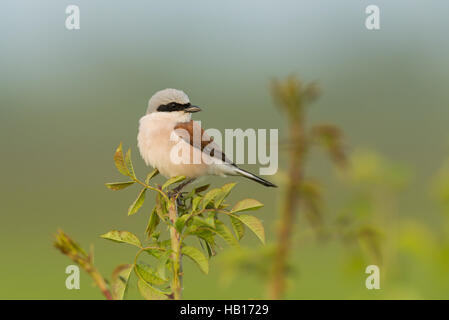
point(253, 177)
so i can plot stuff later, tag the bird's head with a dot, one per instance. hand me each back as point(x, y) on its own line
point(171, 102)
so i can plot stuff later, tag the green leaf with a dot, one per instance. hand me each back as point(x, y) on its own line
point(161, 207)
point(155, 252)
point(149, 292)
point(119, 185)
point(135, 206)
point(122, 237)
point(180, 222)
point(198, 257)
point(210, 219)
point(171, 181)
point(201, 188)
point(254, 224)
point(200, 222)
point(226, 234)
point(151, 175)
point(119, 284)
point(205, 233)
point(149, 275)
point(196, 191)
point(129, 164)
point(210, 248)
point(120, 161)
point(210, 196)
point(238, 226)
point(195, 202)
point(161, 267)
point(225, 190)
point(155, 236)
point(246, 205)
point(153, 222)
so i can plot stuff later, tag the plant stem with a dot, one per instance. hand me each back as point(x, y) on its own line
point(151, 188)
point(100, 282)
point(75, 253)
point(176, 248)
point(290, 205)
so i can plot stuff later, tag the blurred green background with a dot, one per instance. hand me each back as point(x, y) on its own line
point(67, 98)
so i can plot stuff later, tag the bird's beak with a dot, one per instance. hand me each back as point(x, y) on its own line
point(192, 109)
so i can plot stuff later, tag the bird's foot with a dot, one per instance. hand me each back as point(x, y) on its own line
point(177, 194)
point(178, 189)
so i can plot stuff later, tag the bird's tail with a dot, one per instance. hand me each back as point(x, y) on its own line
point(253, 177)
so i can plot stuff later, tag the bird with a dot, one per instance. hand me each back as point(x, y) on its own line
point(168, 141)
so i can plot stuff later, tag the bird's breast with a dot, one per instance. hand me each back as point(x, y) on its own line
point(159, 149)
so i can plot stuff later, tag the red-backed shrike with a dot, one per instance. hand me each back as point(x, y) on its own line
point(170, 141)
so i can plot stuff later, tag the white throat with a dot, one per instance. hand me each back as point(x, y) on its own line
point(175, 116)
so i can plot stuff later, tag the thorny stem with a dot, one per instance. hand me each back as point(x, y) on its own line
point(101, 283)
point(72, 250)
point(176, 250)
point(288, 211)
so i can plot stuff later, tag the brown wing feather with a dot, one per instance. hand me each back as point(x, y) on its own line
point(204, 143)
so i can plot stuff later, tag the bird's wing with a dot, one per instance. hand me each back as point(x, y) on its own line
point(194, 134)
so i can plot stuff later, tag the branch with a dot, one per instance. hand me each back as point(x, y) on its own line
point(75, 253)
point(176, 248)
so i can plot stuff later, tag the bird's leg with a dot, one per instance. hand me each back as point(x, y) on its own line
point(176, 192)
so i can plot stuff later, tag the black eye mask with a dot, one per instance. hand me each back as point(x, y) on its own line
point(173, 106)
